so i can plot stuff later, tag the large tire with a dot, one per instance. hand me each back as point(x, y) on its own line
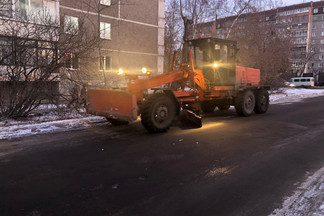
point(245, 103)
point(158, 113)
point(208, 106)
point(116, 122)
point(261, 101)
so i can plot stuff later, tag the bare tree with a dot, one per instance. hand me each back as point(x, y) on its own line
point(172, 36)
point(264, 45)
point(36, 55)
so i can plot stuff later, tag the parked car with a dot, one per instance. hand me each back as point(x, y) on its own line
point(301, 82)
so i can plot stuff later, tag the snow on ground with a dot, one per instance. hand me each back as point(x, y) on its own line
point(291, 95)
point(47, 119)
point(308, 199)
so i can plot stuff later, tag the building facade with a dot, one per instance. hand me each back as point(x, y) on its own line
point(304, 22)
point(131, 32)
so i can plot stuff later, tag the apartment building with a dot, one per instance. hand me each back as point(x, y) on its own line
point(304, 22)
point(131, 32)
point(17, 44)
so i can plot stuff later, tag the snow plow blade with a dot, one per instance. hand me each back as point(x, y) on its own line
point(112, 104)
point(190, 118)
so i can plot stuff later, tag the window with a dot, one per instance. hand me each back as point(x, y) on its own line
point(321, 64)
point(322, 41)
point(105, 2)
point(105, 63)
point(315, 10)
point(314, 26)
point(6, 8)
point(5, 51)
point(27, 7)
point(267, 18)
point(322, 34)
point(296, 80)
point(321, 57)
point(322, 49)
point(71, 61)
point(71, 25)
point(26, 52)
point(313, 34)
point(105, 30)
point(46, 53)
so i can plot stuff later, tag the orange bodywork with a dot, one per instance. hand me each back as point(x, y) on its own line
point(123, 105)
point(112, 104)
point(247, 76)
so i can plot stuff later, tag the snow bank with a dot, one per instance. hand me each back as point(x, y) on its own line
point(308, 199)
point(291, 95)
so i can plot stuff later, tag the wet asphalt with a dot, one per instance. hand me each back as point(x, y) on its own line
point(231, 166)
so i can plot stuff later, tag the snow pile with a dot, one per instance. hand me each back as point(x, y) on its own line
point(290, 95)
point(48, 119)
point(307, 200)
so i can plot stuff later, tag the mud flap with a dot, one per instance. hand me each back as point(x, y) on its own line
point(189, 117)
point(112, 104)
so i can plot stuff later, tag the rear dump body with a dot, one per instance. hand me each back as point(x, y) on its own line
point(247, 76)
point(114, 104)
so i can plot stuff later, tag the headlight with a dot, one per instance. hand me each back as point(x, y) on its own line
point(120, 72)
point(144, 70)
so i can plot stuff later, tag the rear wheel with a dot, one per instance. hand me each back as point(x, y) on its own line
point(158, 113)
point(116, 122)
point(245, 103)
point(208, 106)
point(261, 101)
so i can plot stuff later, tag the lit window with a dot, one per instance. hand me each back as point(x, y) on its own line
point(105, 2)
point(105, 30)
point(71, 25)
point(105, 63)
point(71, 61)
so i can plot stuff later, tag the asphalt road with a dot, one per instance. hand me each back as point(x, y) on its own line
point(230, 166)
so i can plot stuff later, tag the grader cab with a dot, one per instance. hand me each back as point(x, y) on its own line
point(209, 79)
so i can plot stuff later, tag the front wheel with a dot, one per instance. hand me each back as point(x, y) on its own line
point(158, 113)
point(245, 103)
point(261, 101)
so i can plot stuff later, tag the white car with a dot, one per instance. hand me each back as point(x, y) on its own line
point(301, 81)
